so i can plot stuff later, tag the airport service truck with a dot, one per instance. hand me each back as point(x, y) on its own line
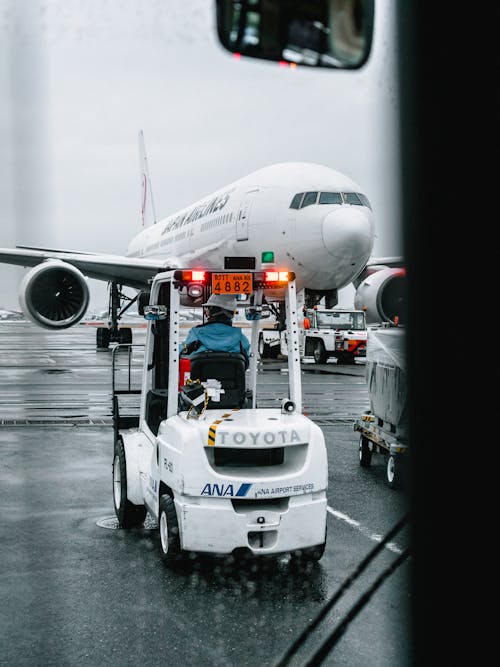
point(323, 333)
point(333, 332)
point(220, 470)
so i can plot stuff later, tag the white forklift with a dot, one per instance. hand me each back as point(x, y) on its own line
point(216, 472)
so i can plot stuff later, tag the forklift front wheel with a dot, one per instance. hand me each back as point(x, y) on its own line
point(168, 528)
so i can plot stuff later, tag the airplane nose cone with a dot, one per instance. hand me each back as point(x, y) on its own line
point(348, 233)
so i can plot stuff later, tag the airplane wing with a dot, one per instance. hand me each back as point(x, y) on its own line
point(129, 271)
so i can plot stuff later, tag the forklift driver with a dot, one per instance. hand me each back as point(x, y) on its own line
point(217, 333)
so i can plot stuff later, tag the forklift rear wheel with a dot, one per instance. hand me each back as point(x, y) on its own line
point(365, 452)
point(128, 514)
point(168, 529)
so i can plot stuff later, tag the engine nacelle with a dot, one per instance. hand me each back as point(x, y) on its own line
point(382, 295)
point(54, 294)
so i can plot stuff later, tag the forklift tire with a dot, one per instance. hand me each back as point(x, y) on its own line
point(128, 514)
point(103, 337)
point(365, 453)
point(168, 530)
point(319, 353)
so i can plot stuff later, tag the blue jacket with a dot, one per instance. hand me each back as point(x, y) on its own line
point(218, 337)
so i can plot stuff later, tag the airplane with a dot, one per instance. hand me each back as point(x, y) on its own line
point(303, 217)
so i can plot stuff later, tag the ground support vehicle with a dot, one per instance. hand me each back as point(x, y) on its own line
point(323, 333)
point(333, 332)
point(218, 473)
point(384, 428)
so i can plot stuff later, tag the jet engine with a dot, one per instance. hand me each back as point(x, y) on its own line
point(54, 294)
point(381, 293)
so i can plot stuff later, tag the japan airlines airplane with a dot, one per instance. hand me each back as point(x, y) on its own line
point(317, 222)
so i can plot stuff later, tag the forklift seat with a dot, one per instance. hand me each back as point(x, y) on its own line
point(229, 369)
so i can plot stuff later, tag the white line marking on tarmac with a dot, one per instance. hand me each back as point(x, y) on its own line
point(392, 546)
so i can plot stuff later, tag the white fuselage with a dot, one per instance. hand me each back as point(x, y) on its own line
point(326, 245)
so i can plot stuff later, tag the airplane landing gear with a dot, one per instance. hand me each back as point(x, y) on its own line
point(113, 334)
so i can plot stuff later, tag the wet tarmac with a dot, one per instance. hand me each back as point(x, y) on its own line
point(76, 590)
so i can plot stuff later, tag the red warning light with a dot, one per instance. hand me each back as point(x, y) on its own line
point(237, 56)
point(189, 276)
point(276, 276)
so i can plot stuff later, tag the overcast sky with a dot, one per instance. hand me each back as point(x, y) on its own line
point(80, 78)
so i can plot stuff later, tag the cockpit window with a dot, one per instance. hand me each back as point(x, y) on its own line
point(352, 198)
point(330, 198)
point(357, 198)
point(302, 199)
point(309, 198)
point(296, 200)
point(365, 200)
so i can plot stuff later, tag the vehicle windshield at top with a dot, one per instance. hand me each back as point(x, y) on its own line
point(338, 320)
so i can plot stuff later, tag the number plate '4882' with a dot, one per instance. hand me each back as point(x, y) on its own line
point(232, 283)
